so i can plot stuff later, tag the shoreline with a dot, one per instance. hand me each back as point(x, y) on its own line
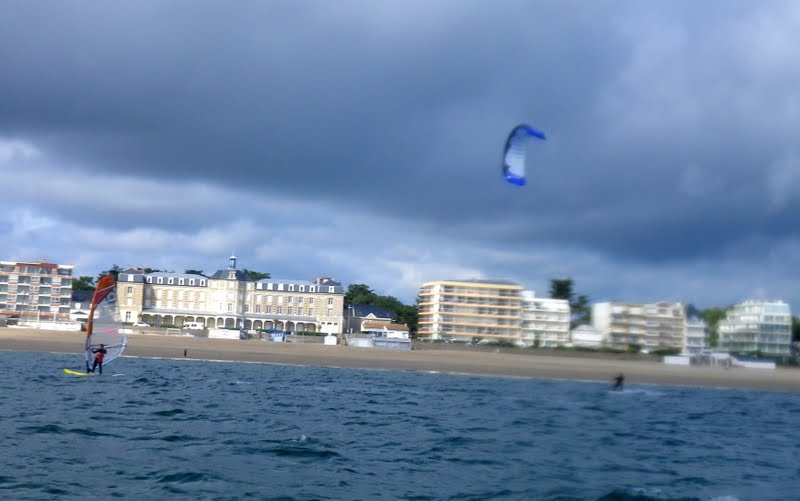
point(457, 362)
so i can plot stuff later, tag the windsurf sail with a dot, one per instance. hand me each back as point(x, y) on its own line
point(104, 326)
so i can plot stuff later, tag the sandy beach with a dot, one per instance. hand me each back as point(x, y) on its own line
point(523, 364)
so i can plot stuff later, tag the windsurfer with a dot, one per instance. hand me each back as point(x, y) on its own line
point(98, 357)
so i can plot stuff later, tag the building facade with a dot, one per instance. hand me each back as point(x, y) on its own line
point(653, 326)
point(499, 311)
point(36, 290)
point(696, 339)
point(229, 299)
point(757, 326)
point(545, 321)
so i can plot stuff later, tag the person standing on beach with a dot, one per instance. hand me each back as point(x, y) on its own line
point(618, 381)
point(98, 357)
point(184, 352)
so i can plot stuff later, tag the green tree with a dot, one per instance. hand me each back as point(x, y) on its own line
point(194, 272)
point(712, 316)
point(83, 283)
point(114, 272)
point(256, 275)
point(795, 328)
point(359, 294)
point(580, 306)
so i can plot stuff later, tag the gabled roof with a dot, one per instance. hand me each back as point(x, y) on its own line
point(223, 274)
point(369, 325)
point(364, 310)
point(79, 296)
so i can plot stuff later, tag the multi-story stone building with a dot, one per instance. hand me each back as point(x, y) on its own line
point(36, 290)
point(545, 321)
point(465, 310)
point(757, 326)
point(654, 326)
point(230, 299)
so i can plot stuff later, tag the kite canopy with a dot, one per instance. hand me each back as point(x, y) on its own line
point(515, 152)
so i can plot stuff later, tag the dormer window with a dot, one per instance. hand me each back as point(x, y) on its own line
point(191, 281)
point(202, 283)
point(149, 280)
point(291, 288)
point(331, 289)
point(161, 280)
point(311, 289)
point(180, 281)
point(302, 288)
point(170, 281)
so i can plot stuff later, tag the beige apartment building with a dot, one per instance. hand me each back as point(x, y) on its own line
point(35, 290)
point(654, 326)
point(229, 299)
point(469, 309)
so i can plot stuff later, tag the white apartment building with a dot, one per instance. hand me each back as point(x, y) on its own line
point(36, 290)
point(757, 326)
point(464, 310)
point(545, 321)
point(696, 339)
point(229, 299)
point(654, 326)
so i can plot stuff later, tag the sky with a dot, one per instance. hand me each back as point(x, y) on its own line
point(363, 141)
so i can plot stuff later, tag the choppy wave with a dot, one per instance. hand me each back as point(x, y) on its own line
point(204, 430)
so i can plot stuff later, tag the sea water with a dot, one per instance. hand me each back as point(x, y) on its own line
point(187, 429)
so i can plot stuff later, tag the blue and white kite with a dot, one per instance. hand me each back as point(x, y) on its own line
point(515, 152)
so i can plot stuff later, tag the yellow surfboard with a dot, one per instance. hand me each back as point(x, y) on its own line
point(76, 373)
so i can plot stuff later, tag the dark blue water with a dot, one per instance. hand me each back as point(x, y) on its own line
point(181, 429)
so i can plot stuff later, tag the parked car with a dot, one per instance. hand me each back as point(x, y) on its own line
point(194, 325)
point(141, 324)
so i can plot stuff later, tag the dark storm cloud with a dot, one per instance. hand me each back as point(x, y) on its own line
point(665, 121)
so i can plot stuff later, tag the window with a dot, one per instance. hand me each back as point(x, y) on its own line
point(291, 287)
point(289, 299)
point(302, 288)
point(191, 281)
point(288, 310)
point(130, 278)
point(202, 283)
point(230, 306)
point(331, 289)
point(280, 287)
point(300, 300)
point(129, 301)
point(160, 280)
point(129, 290)
point(311, 300)
point(128, 316)
point(180, 281)
point(258, 308)
point(311, 289)
point(247, 308)
point(170, 281)
point(280, 310)
point(269, 309)
point(330, 300)
point(269, 286)
point(149, 280)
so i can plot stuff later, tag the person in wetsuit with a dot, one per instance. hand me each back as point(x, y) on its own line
point(98, 357)
point(618, 382)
